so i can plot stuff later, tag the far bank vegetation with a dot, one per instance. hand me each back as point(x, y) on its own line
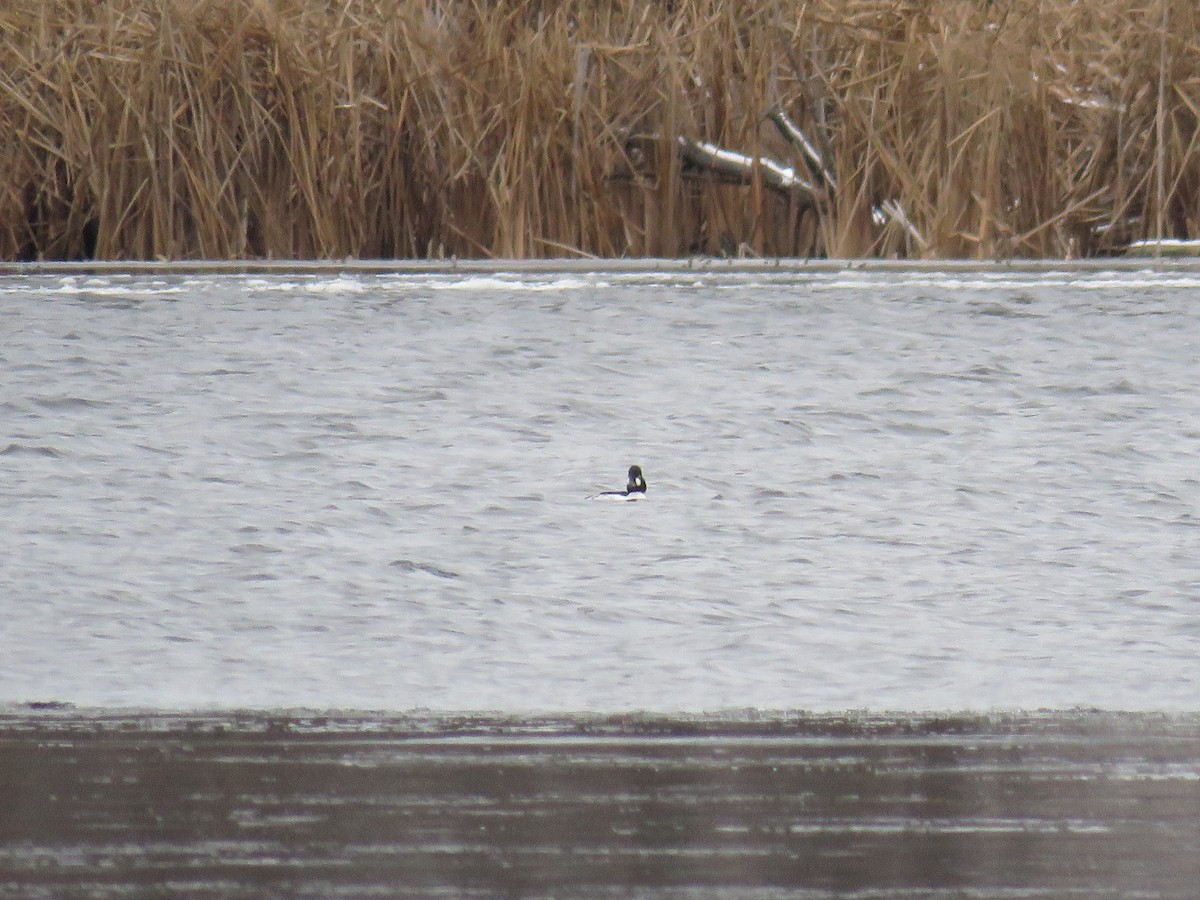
point(176, 129)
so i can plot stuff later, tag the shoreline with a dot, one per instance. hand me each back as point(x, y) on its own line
point(629, 266)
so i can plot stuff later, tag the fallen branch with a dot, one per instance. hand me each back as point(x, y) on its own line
point(739, 166)
point(793, 135)
point(893, 211)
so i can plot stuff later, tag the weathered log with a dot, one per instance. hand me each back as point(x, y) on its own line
point(740, 167)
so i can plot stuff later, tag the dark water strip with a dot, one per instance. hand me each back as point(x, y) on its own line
point(359, 805)
point(635, 265)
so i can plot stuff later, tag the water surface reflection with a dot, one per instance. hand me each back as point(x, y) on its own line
point(1092, 805)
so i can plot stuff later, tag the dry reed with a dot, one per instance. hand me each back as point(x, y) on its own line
point(144, 129)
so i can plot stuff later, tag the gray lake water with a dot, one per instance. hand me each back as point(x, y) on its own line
point(912, 491)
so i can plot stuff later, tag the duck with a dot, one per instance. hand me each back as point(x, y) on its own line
point(635, 489)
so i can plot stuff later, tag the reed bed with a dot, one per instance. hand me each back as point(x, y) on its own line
point(176, 129)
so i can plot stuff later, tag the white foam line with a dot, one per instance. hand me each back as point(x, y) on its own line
point(341, 283)
point(103, 290)
point(516, 283)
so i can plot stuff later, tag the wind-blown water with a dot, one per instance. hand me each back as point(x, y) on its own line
point(871, 490)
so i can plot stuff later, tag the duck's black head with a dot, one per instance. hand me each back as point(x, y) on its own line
point(637, 484)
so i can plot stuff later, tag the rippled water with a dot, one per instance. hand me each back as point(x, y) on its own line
point(905, 491)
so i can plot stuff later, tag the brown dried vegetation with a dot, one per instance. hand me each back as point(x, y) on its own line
point(144, 129)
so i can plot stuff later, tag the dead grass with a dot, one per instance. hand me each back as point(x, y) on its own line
point(144, 129)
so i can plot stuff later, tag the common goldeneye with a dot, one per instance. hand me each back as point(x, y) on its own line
point(634, 490)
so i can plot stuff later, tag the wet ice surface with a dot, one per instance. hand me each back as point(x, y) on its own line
point(867, 490)
point(805, 807)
